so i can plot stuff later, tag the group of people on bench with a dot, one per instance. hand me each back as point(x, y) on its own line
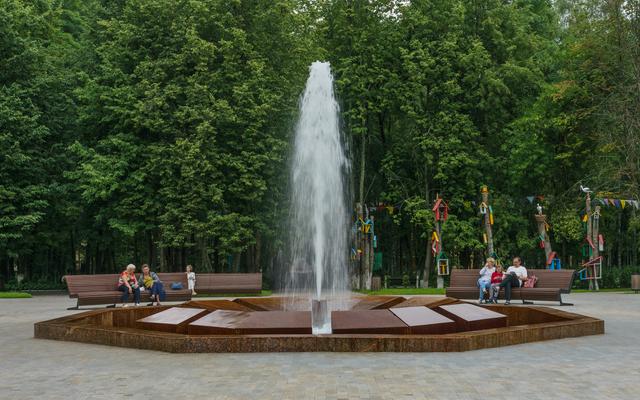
point(493, 279)
point(149, 281)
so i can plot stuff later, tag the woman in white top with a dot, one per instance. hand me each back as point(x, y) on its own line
point(191, 280)
point(484, 282)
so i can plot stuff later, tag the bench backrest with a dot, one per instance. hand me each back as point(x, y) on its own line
point(226, 280)
point(169, 277)
point(106, 282)
point(562, 279)
point(91, 283)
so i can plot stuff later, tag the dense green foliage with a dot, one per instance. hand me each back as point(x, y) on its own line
point(158, 131)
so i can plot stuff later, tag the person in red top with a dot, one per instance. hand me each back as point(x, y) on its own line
point(128, 284)
point(496, 279)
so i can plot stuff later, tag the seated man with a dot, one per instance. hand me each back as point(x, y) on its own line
point(515, 277)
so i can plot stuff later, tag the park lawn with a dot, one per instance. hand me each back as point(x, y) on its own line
point(14, 295)
point(404, 291)
point(263, 293)
point(608, 290)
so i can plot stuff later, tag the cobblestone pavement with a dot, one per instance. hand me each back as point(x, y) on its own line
point(596, 367)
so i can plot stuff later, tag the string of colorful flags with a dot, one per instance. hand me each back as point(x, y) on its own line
point(388, 207)
point(619, 203)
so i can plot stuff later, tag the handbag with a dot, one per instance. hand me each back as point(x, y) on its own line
point(176, 286)
point(530, 282)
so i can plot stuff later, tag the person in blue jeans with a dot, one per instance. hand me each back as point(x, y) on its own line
point(150, 281)
point(484, 282)
point(128, 284)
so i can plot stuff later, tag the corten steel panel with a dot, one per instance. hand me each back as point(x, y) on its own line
point(430, 302)
point(367, 321)
point(276, 322)
point(222, 322)
point(377, 302)
point(470, 318)
point(213, 305)
point(219, 322)
point(174, 319)
point(262, 303)
point(422, 320)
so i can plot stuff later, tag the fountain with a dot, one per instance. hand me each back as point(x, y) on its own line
point(319, 215)
point(318, 312)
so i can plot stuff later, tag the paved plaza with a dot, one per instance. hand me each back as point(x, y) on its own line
point(595, 367)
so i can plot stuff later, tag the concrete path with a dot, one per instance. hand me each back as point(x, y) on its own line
point(597, 367)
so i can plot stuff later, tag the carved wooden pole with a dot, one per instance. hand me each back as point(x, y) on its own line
point(485, 209)
point(439, 278)
point(593, 239)
point(541, 220)
point(595, 228)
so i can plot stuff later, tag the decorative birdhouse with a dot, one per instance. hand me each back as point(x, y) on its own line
point(441, 210)
point(443, 266)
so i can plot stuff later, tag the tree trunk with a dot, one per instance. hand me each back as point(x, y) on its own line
point(427, 257)
point(257, 264)
point(620, 239)
point(236, 262)
point(427, 264)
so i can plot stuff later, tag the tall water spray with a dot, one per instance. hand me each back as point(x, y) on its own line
point(319, 214)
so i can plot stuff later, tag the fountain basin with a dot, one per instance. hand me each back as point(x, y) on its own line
point(126, 327)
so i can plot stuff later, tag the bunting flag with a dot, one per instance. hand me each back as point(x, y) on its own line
point(390, 208)
point(585, 218)
point(530, 198)
point(619, 203)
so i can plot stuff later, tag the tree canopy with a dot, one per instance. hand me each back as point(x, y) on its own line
point(159, 131)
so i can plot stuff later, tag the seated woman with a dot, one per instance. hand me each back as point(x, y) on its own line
point(151, 282)
point(496, 280)
point(127, 284)
point(484, 282)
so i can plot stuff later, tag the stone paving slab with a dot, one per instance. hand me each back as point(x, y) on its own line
point(561, 369)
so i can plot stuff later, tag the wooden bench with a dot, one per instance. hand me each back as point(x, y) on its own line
point(229, 283)
point(103, 289)
point(550, 286)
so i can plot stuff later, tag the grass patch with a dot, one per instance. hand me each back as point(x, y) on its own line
point(404, 291)
point(263, 293)
point(14, 295)
point(608, 290)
